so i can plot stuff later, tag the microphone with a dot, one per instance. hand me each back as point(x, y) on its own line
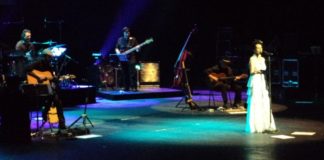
point(266, 53)
point(45, 22)
point(70, 58)
point(194, 28)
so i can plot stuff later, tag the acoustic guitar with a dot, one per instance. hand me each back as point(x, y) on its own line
point(222, 77)
point(52, 116)
point(42, 74)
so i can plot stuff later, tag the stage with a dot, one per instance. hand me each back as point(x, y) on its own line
point(154, 128)
point(143, 92)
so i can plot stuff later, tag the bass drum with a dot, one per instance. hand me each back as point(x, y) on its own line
point(107, 75)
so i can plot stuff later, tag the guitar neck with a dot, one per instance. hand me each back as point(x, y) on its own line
point(134, 48)
point(148, 41)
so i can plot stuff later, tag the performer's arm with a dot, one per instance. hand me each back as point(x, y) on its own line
point(18, 46)
point(253, 68)
point(135, 44)
point(117, 50)
point(213, 77)
point(38, 78)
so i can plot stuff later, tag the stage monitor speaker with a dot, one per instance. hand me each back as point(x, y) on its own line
point(149, 73)
point(290, 73)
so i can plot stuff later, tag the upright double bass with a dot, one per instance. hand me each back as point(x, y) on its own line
point(181, 78)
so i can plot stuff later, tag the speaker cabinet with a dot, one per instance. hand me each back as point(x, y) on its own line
point(149, 73)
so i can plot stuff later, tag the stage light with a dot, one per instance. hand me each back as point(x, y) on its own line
point(138, 67)
point(96, 55)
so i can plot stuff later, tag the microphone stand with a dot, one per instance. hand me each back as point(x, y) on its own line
point(58, 22)
point(269, 84)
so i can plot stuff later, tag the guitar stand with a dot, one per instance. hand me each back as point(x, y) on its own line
point(188, 97)
point(191, 104)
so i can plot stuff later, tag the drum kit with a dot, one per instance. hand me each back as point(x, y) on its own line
point(109, 68)
point(12, 62)
point(107, 75)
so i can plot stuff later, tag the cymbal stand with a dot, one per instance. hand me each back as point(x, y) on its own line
point(83, 116)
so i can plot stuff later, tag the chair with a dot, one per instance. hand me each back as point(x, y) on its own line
point(212, 97)
point(36, 96)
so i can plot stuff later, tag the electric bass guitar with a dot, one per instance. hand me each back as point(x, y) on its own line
point(148, 41)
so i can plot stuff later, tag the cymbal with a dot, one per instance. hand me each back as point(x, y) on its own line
point(50, 42)
point(59, 45)
point(36, 42)
point(56, 46)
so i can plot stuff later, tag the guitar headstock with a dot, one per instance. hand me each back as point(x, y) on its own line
point(148, 41)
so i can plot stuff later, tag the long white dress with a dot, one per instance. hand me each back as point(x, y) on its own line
point(259, 115)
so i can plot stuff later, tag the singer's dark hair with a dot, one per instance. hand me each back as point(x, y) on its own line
point(256, 41)
point(22, 36)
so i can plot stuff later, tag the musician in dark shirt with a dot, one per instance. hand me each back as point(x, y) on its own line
point(24, 53)
point(221, 77)
point(129, 73)
point(24, 44)
point(43, 65)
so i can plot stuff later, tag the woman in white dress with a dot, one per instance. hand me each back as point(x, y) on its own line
point(259, 115)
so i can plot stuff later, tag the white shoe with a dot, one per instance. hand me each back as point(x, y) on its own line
point(221, 108)
point(229, 109)
point(241, 108)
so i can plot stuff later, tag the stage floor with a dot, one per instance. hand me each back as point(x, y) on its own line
point(140, 94)
point(155, 129)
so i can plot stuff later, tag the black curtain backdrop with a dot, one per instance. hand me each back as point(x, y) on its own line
point(288, 29)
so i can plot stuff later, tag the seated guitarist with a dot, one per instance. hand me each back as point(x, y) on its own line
point(129, 73)
point(221, 77)
point(40, 71)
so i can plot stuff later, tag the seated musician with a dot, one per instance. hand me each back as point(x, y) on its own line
point(221, 77)
point(24, 52)
point(40, 71)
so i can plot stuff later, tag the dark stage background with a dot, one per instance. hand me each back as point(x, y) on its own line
point(223, 27)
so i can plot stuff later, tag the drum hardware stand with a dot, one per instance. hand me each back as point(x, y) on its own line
point(85, 118)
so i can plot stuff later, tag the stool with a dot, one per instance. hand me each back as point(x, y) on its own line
point(212, 99)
